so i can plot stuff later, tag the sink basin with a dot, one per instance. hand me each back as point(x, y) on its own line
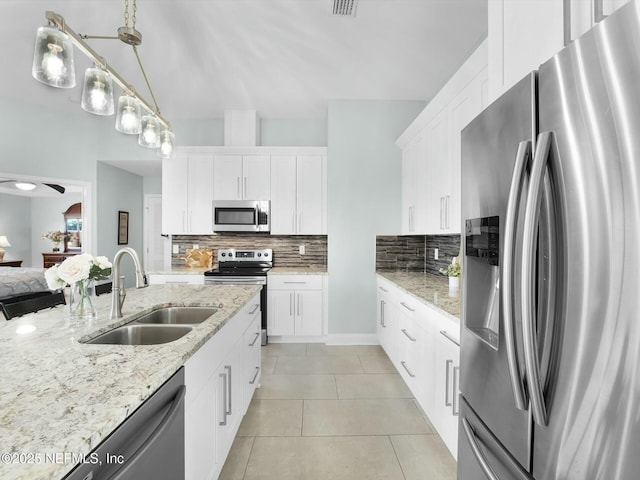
point(177, 315)
point(142, 334)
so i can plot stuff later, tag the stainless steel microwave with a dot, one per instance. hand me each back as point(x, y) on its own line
point(241, 216)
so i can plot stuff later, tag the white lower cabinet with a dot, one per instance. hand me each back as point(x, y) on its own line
point(422, 344)
point(387, 325)
point(295, 305)
point(447, 383)
point(217, 393)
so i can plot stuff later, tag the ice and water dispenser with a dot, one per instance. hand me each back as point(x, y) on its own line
point(482, 282)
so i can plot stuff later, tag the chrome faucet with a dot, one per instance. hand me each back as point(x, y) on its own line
point(117, 288)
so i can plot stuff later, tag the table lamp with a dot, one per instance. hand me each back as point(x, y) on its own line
point(3, 243)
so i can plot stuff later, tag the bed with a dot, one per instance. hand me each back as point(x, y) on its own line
point(24, 290)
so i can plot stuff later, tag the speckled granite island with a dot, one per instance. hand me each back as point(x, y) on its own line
point(430, 289)
point(58, 395)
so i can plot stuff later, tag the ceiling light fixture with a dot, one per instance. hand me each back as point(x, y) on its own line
point(26, 186)
point(53, 65)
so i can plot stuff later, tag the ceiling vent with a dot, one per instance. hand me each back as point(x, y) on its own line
point(345, 8)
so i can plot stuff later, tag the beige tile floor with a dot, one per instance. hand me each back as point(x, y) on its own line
point(333, 413)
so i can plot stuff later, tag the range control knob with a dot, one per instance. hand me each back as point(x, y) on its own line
point(266, 254)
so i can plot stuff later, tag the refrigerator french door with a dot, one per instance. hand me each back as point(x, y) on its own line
point(550, 342)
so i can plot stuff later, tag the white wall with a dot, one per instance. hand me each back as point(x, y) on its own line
point(15, 224)
point(119, 190)
point(47, 215)
point(364, 195)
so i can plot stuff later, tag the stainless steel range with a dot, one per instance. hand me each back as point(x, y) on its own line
point(244, 267)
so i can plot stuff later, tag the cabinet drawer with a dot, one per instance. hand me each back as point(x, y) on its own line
point(295, 282)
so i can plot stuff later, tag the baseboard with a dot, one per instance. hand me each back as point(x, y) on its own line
point(333, 339)
point(294, 339)
point(352, 339)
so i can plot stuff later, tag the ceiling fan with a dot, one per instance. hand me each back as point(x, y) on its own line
point(26, 186)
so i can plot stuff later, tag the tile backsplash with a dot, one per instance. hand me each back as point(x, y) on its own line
point(286, 252)
point(414, 253)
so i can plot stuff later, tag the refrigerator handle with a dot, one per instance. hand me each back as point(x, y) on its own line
point(510, 230)
point(477, 452)
point(529, 241)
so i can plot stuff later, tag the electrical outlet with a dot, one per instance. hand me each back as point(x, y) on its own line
point(196, 246)
point(435, 254)
point(176, 249)
point(302, 249)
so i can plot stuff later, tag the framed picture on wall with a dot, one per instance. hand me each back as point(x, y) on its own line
point(123, 227)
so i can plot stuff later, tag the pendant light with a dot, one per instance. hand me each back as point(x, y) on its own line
point(53, 64)
point(150, 135)
point(129, 116)
point(97, 92)
point(53, 58)
point(167, 144)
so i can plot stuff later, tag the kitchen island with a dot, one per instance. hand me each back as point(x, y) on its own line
point(60, 397)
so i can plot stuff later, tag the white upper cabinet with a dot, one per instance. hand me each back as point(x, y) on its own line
point(241, 177)
point(431, 151)
point(187, 194)
point(298, 194)
point(523, 34)
point(293, 178)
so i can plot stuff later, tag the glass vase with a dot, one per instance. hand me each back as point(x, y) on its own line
point(82, 298)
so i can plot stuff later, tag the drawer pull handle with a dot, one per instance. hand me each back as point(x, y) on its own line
point(407, 307)
point(384, 289)
point(255, 309)
point(408, 336)
point(404, 365)
point(255, 375)
point(255, 339)
point(449, 337)
point(296, 283)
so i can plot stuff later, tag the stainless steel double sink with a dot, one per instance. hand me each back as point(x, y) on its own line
point(158, 326)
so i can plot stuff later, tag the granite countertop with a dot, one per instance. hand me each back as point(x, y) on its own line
point(181, 270)
point(310, 270)
point(58, 395)
point(428, 288)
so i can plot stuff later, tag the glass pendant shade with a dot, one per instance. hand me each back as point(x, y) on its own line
point(150, 135)
point(129, 116)
point(53, 58)
point(97, 93)
point(167, 144)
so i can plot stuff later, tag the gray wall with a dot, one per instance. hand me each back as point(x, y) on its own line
point(119, 190)
point(364, 195)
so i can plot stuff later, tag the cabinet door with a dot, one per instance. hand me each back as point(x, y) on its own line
point(464, 108)
point(447, 378)
point(251, 360)
point(174, 194)
point(308, 318)
point(438, 186)
point(281, 304)
point(256, 177)
point(202, 454)
point(227, 177)
point(200, 194)
point(283, 194)
point(310, 201)
point(229, 399)
point(409, 186)
point(387, 322)
point(522, 35)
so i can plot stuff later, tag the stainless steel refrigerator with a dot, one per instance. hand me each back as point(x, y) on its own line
point(550, 335)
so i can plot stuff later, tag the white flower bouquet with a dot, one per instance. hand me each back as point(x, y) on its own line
point(80, 272)
point(77, 268)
